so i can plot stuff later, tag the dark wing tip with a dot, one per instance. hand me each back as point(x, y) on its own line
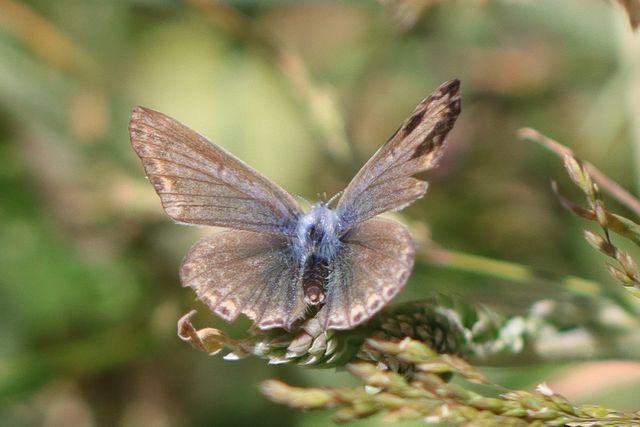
point(451, 90)
point(450, 87)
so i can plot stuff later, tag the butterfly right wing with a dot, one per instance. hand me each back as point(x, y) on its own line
point(236, 271)
point(386, 181)
point(373, 265)
point(201, 183)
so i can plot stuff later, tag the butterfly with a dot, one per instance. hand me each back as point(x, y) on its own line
point(275, 261)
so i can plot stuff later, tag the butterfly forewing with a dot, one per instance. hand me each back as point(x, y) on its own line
point(237, 272)
point(385, 182)
point(372, 266)
point(201, 183)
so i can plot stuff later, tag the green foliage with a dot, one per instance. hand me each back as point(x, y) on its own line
point(581, 174)
point(428, 395)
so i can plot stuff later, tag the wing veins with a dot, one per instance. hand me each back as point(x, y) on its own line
point(222, 182)
point(266, 301)
point(170, 193)
point(223, 298)
point(199, 221)
point(252, 177)
point(182, 204)
point(182, 165)
point(189, 179)
point(220, 252)
point(384, 254)
point(373, 182)
point(168, 144)
point(200, 159)
point(226, 263)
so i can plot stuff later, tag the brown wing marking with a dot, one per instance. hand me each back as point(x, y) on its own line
point(385, 182)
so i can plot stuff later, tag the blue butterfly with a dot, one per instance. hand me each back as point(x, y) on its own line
point(276, 261)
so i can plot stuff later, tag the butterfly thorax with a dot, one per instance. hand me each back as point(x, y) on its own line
point(317, 243)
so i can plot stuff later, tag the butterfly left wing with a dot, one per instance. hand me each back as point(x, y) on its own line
point(237, 272)
point(372, 266)
point(201, 183)
point(385, 182)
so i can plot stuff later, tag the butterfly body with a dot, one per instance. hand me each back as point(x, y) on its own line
point(275, 261)
point(317, 233)
point(316, 245)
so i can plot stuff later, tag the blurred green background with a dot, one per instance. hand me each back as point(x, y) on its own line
point(304, 92)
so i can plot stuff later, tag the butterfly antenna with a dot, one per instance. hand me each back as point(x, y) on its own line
point(335, 196)
point(303, 200)
point(322, 197)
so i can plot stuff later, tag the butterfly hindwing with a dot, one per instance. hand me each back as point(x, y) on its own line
point(201, 183)
point(373, 264)
point(386, 181)
point(237, 272)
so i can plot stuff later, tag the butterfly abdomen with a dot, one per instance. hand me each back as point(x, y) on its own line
point(314, 279)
